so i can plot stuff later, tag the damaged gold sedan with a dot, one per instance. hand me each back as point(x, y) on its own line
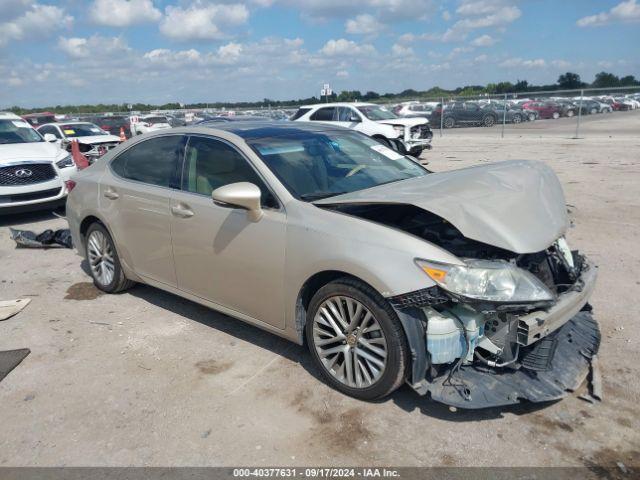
point(460, 283)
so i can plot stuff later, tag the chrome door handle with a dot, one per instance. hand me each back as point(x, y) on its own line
point(111, 194)
point(181, 211)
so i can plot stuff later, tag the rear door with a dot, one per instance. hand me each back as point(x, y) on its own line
point(220, 254)
point(134, 197)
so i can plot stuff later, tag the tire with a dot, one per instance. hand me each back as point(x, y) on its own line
point(104, 263)
point(449, 122)
point(593, 111)
point(416, 152)
point(570, 113)
point(489, 121)
point(349, 302)
point(516, 118)
point(555, 115)
point(532, 117)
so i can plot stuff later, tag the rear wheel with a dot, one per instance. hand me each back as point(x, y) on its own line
point(556, 115)
point(593, 111)
point(356, 340)
point(570, 113)
point(104, 262)
point(517, 118)
point(532, 117)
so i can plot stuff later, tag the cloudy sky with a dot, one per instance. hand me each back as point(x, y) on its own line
point(156, 51)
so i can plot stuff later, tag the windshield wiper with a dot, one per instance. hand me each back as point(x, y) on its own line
point(310, 197)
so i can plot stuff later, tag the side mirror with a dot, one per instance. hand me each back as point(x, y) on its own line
point(50, 137)
point(354, 119)
point(243, 195)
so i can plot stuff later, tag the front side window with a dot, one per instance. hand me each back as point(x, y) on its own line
point(154, 161)
point(347, 114)
point(313, 165)
point(17, 131)
point(324, 114)
point(211, 164)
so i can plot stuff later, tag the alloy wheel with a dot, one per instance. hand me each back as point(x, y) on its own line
point(350, 342)
point(101, 260)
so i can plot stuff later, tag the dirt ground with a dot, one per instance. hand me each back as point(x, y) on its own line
point(147, 378)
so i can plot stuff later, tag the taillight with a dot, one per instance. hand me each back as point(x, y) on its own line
point(70, 184)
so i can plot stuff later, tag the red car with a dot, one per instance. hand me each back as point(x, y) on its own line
point(544, 109)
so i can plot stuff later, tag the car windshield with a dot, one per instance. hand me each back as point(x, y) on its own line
point(74, 130)
point(315, 165)
point(376, 112)
point(18, 131)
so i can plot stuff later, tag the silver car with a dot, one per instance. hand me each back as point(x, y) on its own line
point(460, 284)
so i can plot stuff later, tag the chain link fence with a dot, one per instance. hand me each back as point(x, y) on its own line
point(557, 112)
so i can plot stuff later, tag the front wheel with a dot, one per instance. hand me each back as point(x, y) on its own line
point(517, 118)
point(556, 115)
point(356, 340)
point(570, 113)
point(489, 121)
point(104, 262)
point(449, 122)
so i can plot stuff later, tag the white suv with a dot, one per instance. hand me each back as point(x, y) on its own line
point(406, 135)
point(33, 173)
point(149, 123)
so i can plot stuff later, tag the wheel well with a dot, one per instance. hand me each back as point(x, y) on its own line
point(86, 223)
point(308, 290)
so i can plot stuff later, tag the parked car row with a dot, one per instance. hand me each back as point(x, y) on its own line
point(488, 112)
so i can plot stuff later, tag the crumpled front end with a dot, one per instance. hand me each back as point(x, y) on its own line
point(476, 353)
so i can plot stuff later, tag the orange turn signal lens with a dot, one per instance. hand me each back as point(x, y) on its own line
point(435, 273)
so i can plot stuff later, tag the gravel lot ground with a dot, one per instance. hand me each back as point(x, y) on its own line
point(146, 378)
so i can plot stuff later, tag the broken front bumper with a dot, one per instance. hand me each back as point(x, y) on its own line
point(476, 386)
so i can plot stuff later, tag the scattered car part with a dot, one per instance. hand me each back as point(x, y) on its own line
point(46, 239)
point(9, 308)
point(10, 359)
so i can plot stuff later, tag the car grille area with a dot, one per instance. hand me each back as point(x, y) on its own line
point(26, 174)
point(26, 197)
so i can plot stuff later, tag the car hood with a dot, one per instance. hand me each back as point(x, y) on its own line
point(516, 205)
point(95, 139)
point(407, 121)
point(36, 151)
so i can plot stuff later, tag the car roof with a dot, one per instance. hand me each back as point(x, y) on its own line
point(9, 116)
point(339, 104)
point(262, 129)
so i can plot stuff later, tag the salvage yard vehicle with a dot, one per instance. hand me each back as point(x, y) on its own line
point(33, 173)
point(113, 124)
point(464, 113)
point(150, 123)
point(459, 283)
point(406, 135)
point(545, 110)
point(94, 141)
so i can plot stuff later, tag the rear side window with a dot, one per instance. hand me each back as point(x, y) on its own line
point(299, 113)
point(324, 114)
point(153, 161)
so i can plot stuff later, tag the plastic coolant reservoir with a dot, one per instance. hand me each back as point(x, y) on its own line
point(445, 339)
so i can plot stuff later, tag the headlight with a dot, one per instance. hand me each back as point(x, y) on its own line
point(65, 162)
point(495, 281)
point(399, 129)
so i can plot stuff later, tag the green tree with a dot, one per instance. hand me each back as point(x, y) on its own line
point(605, 80)
point(629, 81)
point(570, 81)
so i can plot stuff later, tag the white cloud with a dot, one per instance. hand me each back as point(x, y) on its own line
point(345, 48)
point(123, 13)
point(76, 47)
point(39, 21)
point(483, 41)
point(202, 21)
point(624, 12)
point(499, 18)
point(364, 24)
point(401, 50)
point(446, 16)
point(480, 7)
point(561, 64)
point(521, 63)
point(342, 74)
